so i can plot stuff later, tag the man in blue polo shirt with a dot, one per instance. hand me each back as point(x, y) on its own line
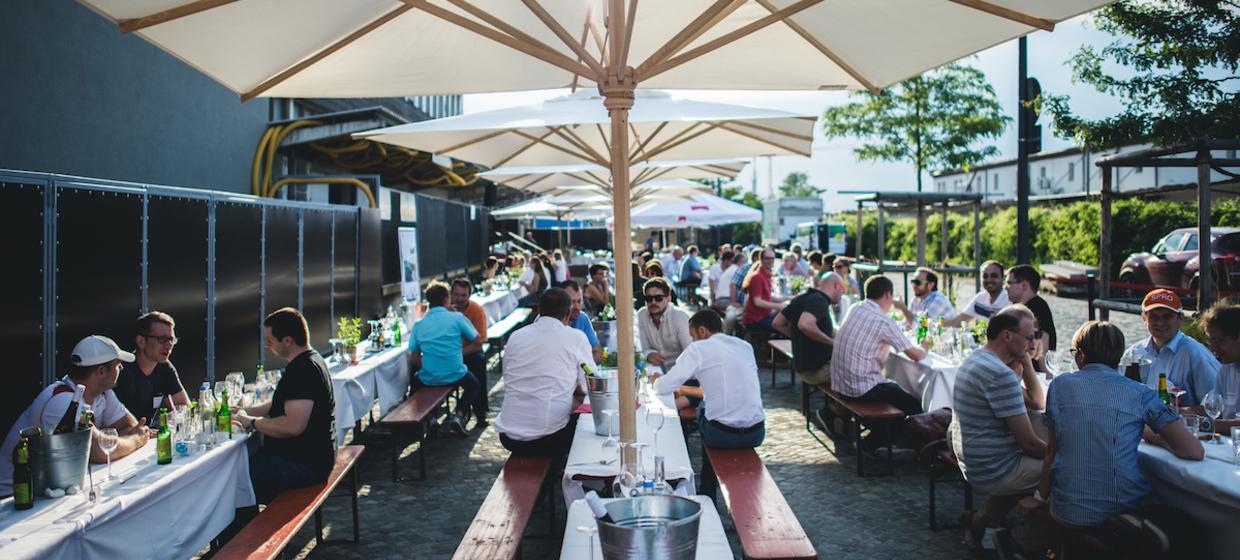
point(581, 322)
point(435, 343)
point(1187, 363)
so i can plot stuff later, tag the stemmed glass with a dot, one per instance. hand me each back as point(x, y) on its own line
point(1213, 404)
point(629, 480)
point(108, 440)
point(655, 420)
point(588, 531)
point(1177, 392)
point(610, 448)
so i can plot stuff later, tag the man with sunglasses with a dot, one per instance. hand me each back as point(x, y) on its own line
point(991, 433)
point(151, 381)
point(928, 299)
point(664, 329)
point(986, 302)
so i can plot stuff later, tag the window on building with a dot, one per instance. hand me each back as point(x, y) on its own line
point(1071, 171)
point(1042, 172)
point(1138, 170)
point(995, 183)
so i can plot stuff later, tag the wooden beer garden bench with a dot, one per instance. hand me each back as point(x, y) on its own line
point(499, 525)
point(765, 524)
point(270, 532)
point(859, 410)
point(414, 414)
point(497, 334)
point(782, 347)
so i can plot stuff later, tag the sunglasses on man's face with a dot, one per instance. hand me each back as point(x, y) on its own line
point(657, 298)
point(992, 276)
point(915, 282)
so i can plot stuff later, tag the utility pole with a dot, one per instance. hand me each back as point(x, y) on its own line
point(1028, 141)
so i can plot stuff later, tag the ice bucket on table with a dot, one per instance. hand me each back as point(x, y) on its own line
point(654, 527)
point(604, 395)
point(59, 460)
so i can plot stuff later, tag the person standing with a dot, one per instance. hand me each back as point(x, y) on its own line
point(664, 329)
point(1022, 287)
point(151, 381)
point(986, 302)
point(436, 345)
point(299, 422)
point(543, 381)
point(1187, 363)
point(471, 350)
point(560, 265)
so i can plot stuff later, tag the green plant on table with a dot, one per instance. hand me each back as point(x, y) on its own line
point(349, 330)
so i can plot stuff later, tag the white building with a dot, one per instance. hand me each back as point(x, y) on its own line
point(1069, 171)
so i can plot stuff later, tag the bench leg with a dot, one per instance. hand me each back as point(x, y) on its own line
point(772, 367)
point(968, 495)
point(805, 403)
point(934, 475)
point(422, 430)
point(856, 425)
point(318, 526)
point(357, 535)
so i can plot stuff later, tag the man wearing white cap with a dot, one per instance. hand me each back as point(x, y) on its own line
point(96, 365)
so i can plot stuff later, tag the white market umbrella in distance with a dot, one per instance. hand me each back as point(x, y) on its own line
point(547, 178)
point(699, 210)
point(381, 48)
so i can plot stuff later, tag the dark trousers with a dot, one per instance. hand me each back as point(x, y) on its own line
point(762, 325)
point(890, 431)
point(555, 444)
point(272, 474)
point(477, 365)
point(469, 397)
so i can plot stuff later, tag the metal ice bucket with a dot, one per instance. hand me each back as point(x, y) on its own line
point(651, 527)
point(604, 395)
point(59, 460)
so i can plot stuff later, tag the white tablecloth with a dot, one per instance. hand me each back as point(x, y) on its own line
point(712, 543)
point(384, 376)
point(583, 457)
point(1208, 490)
point(165, 511)
point(498, 304)
point(931, 380)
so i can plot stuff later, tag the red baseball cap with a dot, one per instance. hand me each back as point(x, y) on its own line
point(1162, 298)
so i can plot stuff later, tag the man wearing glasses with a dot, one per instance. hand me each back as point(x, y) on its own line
point(151, 381)
point(664, 329)
point(929, 299)
point(987, 302)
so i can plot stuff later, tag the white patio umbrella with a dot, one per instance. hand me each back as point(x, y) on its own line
point(375, 48)
point(550, 177)
point(699, 210)
point(570, 129)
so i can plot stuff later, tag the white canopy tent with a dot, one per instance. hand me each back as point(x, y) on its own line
point(699, 210)
point(378, 48)
point(547, 178)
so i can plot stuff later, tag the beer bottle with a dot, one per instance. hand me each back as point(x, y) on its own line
point(69, 421)
point(163, 440)
point(23, 477)
point(589, 372)
point(223, 416)
point(1163, 395)
point(86, 419)
point(396, 337)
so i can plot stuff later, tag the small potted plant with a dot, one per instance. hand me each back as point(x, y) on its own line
point(349, 331)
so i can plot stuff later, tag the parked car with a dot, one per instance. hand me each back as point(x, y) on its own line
point(1173, 262)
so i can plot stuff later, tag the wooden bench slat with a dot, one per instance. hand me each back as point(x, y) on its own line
point(765, 523)
point(496, 530)
point(415, 408)
point(783, 345)
point(869, 410)
point(269, 533)
point(502, 327)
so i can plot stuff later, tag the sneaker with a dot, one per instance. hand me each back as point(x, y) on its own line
point(480, 421)
point(453, 426)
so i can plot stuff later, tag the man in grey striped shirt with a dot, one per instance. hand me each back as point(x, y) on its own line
point(991, 434)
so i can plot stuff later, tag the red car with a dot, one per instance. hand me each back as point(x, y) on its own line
point(1173, 262)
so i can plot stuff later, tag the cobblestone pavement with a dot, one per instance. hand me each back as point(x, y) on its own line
point(844, 516)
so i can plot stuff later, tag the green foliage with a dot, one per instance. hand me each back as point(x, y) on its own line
point(796, 185)
point(349, 330)
point(933, 120)
point(1184, 56)
point(750, 232)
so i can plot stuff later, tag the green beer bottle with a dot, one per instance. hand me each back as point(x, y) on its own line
point(163, 440)
point(1163, 395)
point(223, 416)
point(23, 477)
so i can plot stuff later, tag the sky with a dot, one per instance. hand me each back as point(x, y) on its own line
point(833, 165)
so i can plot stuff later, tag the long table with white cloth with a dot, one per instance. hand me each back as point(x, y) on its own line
point(383, 375)
point(148, 512)
point(930, 380)
point(586, 452)
point(1208, 490)
point(712, 542)
point(499, 303)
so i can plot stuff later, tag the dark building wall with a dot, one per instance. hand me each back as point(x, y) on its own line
point(78, 97)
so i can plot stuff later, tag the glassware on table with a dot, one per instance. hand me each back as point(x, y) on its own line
point(1213, 404)
point(1177, 392)
point(628, 481)
point(655, 420)
point(108, 440)
point(1052, 363)
point(589, 531)
point(1235, 443)
point(610, 448)
point(1192, 422)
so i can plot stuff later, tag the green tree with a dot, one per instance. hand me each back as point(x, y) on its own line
point(796, 185)
point(752, 231)
point(1183, 56)
point(934, 120)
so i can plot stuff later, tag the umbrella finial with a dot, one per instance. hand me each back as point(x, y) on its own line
point(618, 89)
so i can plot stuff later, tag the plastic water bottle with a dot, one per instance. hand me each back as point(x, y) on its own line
point(206, 414)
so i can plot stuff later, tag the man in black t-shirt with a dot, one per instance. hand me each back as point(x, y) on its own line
point(807, 321)
point(151, 381)
point(298, 423)
point(1022, 287)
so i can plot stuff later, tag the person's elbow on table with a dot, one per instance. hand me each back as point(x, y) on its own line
point(1176, 438)
point(916, 354)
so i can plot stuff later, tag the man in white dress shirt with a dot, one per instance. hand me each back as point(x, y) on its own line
point(543, 381)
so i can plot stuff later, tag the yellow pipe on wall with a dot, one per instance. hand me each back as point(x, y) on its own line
point(256, 169)
point(275, 187)
point(274, 143)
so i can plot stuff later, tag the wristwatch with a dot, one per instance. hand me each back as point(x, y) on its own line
point(253, 424)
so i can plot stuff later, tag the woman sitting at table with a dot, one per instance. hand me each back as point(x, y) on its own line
point(1222, 325)
point(534, 280)
point(598, 292)
point(491, 268)
point(1095, 419)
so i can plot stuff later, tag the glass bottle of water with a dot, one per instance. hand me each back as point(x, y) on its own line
point(661, 488)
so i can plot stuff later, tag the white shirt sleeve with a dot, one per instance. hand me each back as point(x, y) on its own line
point(54, 408)
point(111, 411)
point(686, 366)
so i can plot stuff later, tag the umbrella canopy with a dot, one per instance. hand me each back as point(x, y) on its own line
point(569, 129)
point(699, 210)
point(588, 202)
point(551, 177)
point(373, 48)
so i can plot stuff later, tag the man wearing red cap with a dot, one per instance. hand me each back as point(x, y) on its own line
point(1187, 363)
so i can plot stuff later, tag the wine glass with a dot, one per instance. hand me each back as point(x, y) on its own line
point(655, 420)
point(610, 448)
point(1213, 404)
point(108, 440)
point(589, 532)
point(1177, 392)
point(627, 481)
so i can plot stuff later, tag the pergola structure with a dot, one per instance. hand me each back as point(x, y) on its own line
point(1204, 161)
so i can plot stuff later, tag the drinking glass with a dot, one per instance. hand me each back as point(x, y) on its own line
point(1235, 444)
point(610, 448)
point(1052, 362)
point(1177, 392)
point(108, 440)
point(655, 420)
point(627, 482)
point(1192, 422)
point(1213, 404)
point(589, 532)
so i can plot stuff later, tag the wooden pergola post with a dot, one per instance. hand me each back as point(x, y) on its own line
point(860, 206)
point(1104, 242)
point(943, 257)
point(921, 233)
point(977, 245)
point(1205, 282)
point(882, 241)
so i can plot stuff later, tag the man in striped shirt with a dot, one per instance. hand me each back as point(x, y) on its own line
point(991, 434)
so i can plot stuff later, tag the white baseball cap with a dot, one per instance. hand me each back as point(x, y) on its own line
point(94, 350)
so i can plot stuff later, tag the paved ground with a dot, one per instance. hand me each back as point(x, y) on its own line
point(844, 516)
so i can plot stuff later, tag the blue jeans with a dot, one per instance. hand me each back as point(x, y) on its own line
point(271, 474)
point(718, 438)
